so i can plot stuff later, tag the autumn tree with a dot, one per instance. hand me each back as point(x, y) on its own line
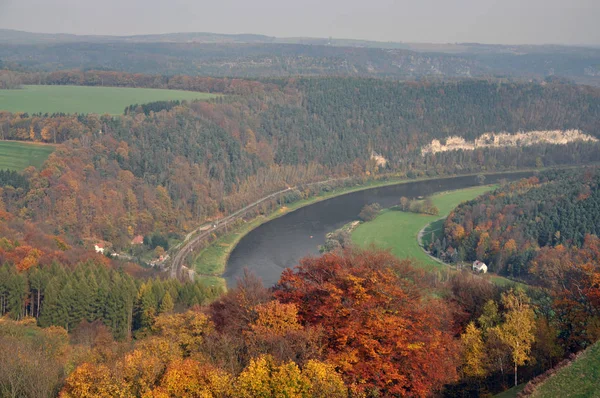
point(473, 352)
point(189, 378)
point(187, 329)
point(264, 377)
point(381, 333)
point(369, 212)
point(518, 327)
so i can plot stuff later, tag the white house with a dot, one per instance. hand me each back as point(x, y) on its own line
point(99, 247)
point(479, 266)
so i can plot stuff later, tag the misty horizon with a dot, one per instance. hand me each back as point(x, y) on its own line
point(509, 22)
point(302, 37)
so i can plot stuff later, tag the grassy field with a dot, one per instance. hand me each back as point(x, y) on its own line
point(512, 392)
point(20, 155)
point(580, 379)
point(82, 99)
point(398, 230)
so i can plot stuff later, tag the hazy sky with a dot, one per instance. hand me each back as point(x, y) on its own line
point(445, 21)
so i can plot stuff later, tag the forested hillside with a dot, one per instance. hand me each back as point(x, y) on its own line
point(514, 228)
point(116, 177)
point(260, 56)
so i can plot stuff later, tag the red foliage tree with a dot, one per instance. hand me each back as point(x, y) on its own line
point(381, 332)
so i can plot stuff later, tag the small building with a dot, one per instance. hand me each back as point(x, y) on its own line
point(99, 247)
point(479, 266)
point(138, 240)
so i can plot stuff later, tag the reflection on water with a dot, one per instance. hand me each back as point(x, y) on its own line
point(280, 243)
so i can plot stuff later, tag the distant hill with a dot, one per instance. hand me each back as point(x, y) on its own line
point(249, 55)
point(9, 36)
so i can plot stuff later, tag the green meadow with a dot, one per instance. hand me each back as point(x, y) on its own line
point(83, 99)
point(20, 155)
point(397, 230)
point(579, 379)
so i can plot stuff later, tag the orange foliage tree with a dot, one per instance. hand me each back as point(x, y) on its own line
point(382, 333)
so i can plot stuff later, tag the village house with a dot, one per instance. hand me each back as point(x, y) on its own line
point(99, 247)
point(138, 240)
point(479, 266)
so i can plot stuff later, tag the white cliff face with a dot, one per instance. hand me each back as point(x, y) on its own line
point(380, 161)
point(499, 140)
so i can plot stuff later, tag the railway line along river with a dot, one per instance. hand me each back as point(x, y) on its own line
point(282, 242)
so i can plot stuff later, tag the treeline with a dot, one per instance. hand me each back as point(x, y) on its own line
point(9, 80)
point(319, 57)
point(124, 79)
point(506, 228)
point(419, 206)
point(13, 179)
point(62, 296)
point(151, 107)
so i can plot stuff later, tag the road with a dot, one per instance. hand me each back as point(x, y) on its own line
point(191, 244)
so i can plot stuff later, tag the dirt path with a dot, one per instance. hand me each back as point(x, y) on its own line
point(420, 242)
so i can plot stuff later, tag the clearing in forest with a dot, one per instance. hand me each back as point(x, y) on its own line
point(397, 230)
point(84, 99)
point(20, 155)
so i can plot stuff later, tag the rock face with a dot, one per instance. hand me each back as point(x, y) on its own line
point(499, 140)
point(380, 161)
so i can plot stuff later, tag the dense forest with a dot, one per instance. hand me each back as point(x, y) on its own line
point(113, 178)
point(349, 323)
point(385, 338)
point(507, 228)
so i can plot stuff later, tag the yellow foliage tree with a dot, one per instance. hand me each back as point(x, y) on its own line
point(473, 352)
point(187, 329)
point(275, 318)
point(325, 382)
point(140, 372)
point(161, 348)
point(264, 378)
point(90, 381)
point(517, 330)
point(189, 378)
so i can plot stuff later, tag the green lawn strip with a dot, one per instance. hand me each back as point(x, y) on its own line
point(20, 155)
point(213, 281)
point(85, 99)
point(436, 228)
point(579, 379)
point(398, 230)
point(511, 393)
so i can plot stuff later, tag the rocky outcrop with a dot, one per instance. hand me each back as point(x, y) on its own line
point(499, 140)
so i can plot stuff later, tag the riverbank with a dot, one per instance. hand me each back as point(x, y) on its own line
point(399, 231)
point(383, 231)
point(210, 262)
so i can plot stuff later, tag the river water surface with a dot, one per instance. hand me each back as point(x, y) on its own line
point(282, 242)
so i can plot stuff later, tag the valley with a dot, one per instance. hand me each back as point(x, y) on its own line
point(171, 205)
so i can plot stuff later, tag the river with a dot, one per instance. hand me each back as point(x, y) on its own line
point(282, 242)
